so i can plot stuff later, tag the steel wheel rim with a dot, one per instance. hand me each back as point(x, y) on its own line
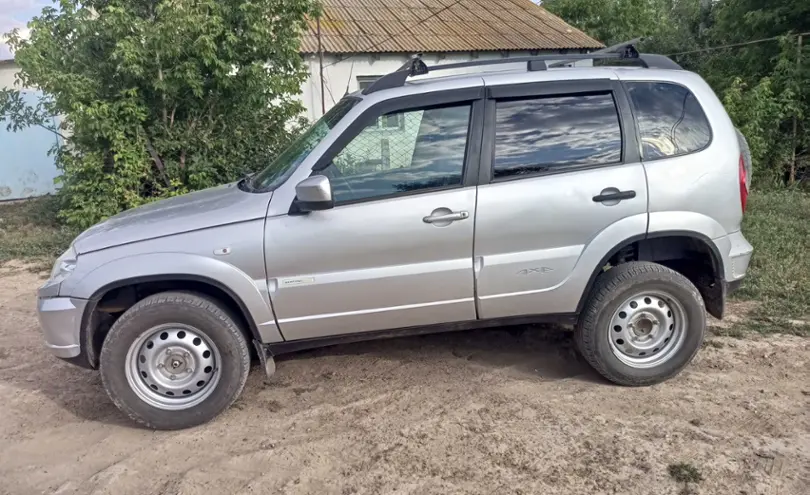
point(647, 329)
point(173, 366)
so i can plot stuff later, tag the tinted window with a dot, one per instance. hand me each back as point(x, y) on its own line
point(543, 133)
point(670, 119)
point(424, 150)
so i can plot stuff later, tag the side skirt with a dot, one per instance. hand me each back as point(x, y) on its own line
point(303, 344)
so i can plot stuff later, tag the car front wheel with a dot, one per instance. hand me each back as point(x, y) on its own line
point(174, 360)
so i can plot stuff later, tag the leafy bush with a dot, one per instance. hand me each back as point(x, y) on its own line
point(159, 97)
point(758, 113)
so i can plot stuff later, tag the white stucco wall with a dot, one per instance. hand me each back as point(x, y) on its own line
point(340, 74)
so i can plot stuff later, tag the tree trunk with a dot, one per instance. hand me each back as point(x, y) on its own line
point(158, 162)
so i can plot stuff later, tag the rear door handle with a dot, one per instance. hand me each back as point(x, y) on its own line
point(446, 217)
point(611, 194)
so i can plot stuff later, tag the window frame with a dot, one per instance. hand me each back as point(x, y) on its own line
point(473, 96)
point(634, 111)
point(630, 151)
point(365, 79)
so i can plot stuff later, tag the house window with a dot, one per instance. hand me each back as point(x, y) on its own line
point(393, 121)
point(363, 82)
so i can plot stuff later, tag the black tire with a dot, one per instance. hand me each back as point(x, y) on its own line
point(195, 310)
point(613, 288)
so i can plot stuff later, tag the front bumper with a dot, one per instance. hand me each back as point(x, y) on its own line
point(60, 319)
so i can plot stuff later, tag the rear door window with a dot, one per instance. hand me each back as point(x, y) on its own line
point(542, 134)
point(670, 120)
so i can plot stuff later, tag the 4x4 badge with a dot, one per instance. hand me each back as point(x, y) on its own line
point(532, 271)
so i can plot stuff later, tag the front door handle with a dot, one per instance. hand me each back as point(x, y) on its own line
point(441, 217)
point(613, 196)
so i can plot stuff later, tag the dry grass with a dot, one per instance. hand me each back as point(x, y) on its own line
point(29, 232)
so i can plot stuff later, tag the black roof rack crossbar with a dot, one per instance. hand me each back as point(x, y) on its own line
point(623, 47)
point(623, 51)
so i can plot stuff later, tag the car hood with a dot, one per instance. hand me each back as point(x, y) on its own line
point(198, 210)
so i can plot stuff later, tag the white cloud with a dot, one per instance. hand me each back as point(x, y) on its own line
point(15, 14)
point(5, 51)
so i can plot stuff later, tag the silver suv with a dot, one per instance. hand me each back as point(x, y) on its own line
point(608, 198)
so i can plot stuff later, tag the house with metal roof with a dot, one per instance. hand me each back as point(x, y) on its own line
point(356, 41)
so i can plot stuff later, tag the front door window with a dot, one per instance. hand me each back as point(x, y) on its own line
point(424, 152)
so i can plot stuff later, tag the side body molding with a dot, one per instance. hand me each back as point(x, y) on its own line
point(250, 294)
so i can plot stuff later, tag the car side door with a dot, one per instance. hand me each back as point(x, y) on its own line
point(560, 183)
point(396, 249)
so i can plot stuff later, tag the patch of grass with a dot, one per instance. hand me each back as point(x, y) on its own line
point(683, 472)
point(777, 224)
point(764, 323)
point(737, 331)
point(29, 232)
point(714, 343)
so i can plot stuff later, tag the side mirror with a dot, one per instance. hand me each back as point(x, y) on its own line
point(314, 193)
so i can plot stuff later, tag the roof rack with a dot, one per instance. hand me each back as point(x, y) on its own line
point(621, 51)
point(625, 47)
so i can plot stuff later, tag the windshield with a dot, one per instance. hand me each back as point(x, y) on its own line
point(285, 163)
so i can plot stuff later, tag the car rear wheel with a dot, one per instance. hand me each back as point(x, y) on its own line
point(642, 324)
point(174, 360)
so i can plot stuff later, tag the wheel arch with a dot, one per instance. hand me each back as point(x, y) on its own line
point(118, 296)
point(641, 247)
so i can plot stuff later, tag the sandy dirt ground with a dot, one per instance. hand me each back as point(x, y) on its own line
point(498, 411)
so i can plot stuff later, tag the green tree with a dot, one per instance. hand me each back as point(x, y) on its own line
point(671, 25)
point(758, 112)
point(159, 97)
point(770, 78)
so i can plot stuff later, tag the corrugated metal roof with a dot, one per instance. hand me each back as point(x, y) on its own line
point(360, 26)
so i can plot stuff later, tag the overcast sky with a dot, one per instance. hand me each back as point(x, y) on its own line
point(15, 14)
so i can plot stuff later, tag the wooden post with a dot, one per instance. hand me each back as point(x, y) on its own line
point(320, 63)
point(792, 178)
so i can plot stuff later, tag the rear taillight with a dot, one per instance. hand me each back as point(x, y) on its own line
point(743, 187)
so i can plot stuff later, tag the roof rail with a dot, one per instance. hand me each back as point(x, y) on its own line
point(622, 51)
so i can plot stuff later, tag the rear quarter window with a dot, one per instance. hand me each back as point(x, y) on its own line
point(670, 120)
